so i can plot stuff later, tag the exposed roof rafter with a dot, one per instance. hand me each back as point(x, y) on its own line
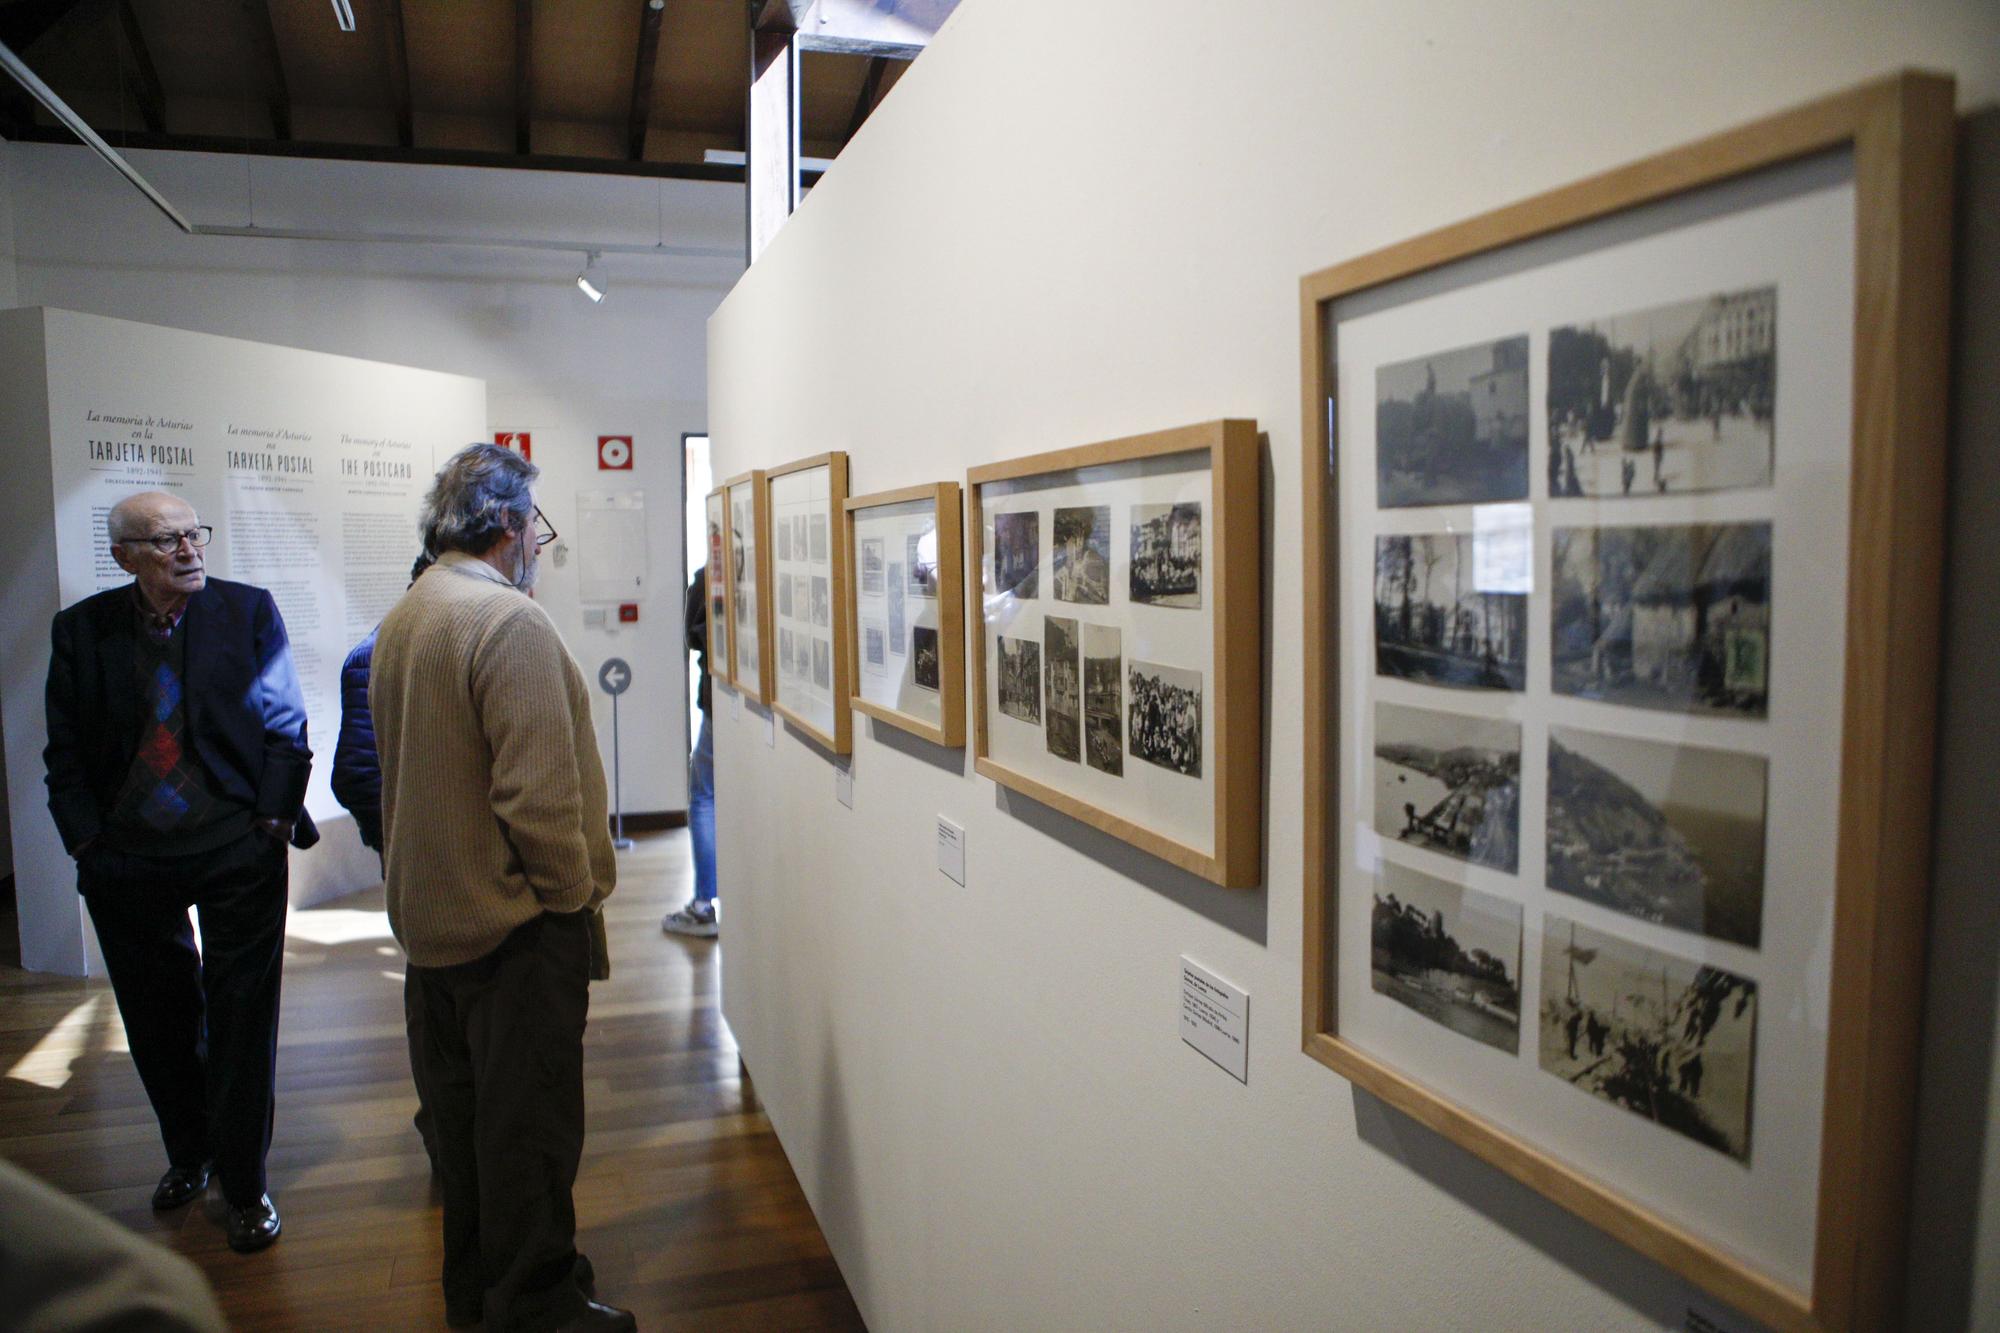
point(524, 75)
point(144, 79)
point(395, 40)
point(264, 40)
point(652, 15)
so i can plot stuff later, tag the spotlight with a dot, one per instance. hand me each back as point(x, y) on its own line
point(591, 281)
point(343, 14)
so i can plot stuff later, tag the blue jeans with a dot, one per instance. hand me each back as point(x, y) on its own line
point(701, 813)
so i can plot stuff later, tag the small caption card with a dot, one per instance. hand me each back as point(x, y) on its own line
point(1215, 1018)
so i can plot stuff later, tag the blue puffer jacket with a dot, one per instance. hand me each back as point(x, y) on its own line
point(357, 773)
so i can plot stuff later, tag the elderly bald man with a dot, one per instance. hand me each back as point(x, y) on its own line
point(177, 766)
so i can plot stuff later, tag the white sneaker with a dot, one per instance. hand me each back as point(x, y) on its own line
point(697, 918)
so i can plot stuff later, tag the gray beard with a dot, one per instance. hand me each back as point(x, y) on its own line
point(529, 566)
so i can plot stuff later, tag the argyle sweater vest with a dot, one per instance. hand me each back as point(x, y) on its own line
point(168, 805)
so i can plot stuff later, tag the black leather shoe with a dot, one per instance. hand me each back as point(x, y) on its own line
point(595, 1318)
point(181, 1184)
point(252, 1228)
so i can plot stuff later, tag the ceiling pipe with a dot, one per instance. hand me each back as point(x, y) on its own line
point(76, 125)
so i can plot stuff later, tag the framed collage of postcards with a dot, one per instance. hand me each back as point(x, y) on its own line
point(721, 660)
point(906, 609)
point(1117, 640)
point(1623, 515)
point(809, 566)
point(750, 586)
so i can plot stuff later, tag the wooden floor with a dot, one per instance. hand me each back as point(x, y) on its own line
point(685, 1204)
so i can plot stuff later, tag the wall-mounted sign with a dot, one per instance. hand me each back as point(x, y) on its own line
point(517, 440)
point(614, 453)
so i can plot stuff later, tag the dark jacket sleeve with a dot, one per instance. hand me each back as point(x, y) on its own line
point(357, 771)
point(71, 799)
point(694, 614)
point(281, 788)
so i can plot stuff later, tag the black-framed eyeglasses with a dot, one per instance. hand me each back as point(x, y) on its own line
point(167, 543)
point(548, 529)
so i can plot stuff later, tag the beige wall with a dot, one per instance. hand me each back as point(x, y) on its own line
point(1074, 222)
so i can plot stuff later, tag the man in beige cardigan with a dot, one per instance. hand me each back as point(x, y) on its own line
point(498, 851)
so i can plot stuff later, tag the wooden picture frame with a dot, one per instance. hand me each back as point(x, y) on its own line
point(750, 657)
point(721, 642)
point(1199, 488)
point(816, 706)
point(937, 597)
point(1894, 140)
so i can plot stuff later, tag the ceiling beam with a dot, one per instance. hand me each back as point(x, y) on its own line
point(395, 40)
point(26, 22)
point(871, 84)
point(651, 16)
point(264, 42)
point(145, 77)
point(524, 74)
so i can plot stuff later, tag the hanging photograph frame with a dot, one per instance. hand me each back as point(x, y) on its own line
point(1623, 592)
point(748, 507)
point(1122, 581)
point(721, 643)
point(814, 666)
point(905, 609)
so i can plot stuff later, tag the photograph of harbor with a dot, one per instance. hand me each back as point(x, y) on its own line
point(1449, 952)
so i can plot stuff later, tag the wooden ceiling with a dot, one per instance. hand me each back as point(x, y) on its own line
point(593, 85)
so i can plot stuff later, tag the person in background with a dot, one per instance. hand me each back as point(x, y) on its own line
point(497, 832)
point(699, 916)
point(177, 765)
point(357, 785)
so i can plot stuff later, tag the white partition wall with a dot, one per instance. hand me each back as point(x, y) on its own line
point(309, 466)
point(1072, 223)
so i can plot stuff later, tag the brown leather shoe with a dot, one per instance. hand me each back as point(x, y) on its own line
point(181, 1184)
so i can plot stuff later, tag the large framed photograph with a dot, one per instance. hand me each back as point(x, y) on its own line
point(750, 668)
point(1622, 523)
point(1117, 640)
point(805, 501)
point(721, 643)
point(907, 609)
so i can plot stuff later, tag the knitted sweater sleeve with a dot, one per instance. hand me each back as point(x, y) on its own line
point(519, 687)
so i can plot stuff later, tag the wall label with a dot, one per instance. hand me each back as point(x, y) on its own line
point(951, 849)
point(1215, 1018)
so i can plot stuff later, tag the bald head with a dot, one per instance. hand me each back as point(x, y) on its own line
point(138, 525)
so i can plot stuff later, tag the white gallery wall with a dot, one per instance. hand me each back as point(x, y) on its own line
point(556, 366)
point(983, 1088)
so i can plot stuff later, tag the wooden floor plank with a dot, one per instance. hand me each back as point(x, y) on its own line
point(685, 1202)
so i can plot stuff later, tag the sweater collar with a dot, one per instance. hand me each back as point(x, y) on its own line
point(464, 563)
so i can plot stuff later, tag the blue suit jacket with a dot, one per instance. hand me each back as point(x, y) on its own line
point(246, 717)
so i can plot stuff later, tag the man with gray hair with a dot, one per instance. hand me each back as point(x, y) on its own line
point(498, 849)
point(177, 766)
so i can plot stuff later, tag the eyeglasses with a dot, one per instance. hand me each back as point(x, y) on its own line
point(167, 543)
point(543, 538)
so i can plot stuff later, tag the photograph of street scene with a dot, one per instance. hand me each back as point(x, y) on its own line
point(1666, 833)
point(1017, 554)
point(1665, 1038)
point(1020, 683)
point(1450, 783)
point(1060, 654)
point(1451, 953)
point(1166, 555)
point(1675, 617)
point(1673, 399)
point(1452, 427)
point(1081, 565)
point(1435, 624)
point(1103, 699)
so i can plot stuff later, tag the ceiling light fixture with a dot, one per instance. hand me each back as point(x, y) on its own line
point(343, 14)
point(591, 281)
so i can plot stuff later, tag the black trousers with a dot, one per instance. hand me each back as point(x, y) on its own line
point(203, 1025)
point(503, 1078)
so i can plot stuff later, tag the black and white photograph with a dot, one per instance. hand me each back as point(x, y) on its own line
point(896, 623)
point(925, 665)
point(1166, 555)
point(872, 575)
point(1061, 660)
point(1452, 427)
point(1664, 1037)
point(784, 527)
point(920, 559)
point(1664, 401)
point(1441, 618)
point(1080, 567)
point(818, 529)
point(785, 588)
point(1450, 783)
point(822, 664)
point(1449, 952)
point(799, 537)
point(786, 650)
point(1164, 722)
point(822, 602)
point(1017, 554)
point(1666, 833)
point(874, 647)
point(1675, 617)
point(1103, 699)
point(801, 597)
point(1020, 679)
